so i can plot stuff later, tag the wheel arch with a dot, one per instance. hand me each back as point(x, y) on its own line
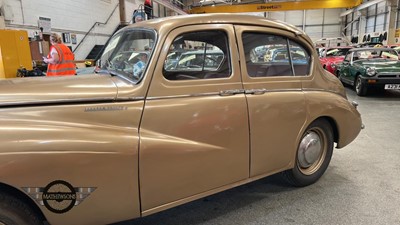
point(343, 117)
point(294, 175)
point(329, 119)
point(12, 191)
point(356, 77)
point(334, 126)
point(337, 72)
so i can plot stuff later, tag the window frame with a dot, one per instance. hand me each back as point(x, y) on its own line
point(288, 45)
point(227, 57)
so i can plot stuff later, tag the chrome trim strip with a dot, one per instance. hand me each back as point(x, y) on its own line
point(283, 90)
point(231, 92)
point(184, 96)
point(218, 94)
point(68, 101)
point(388, 73)
point(314, 89)
point(256, 91)
point(130, 99)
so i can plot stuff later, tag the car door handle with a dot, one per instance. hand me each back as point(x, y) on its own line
point(256, 91)
point(231, 92)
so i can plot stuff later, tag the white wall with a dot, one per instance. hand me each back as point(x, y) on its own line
point(316, 23)
point(71, 16)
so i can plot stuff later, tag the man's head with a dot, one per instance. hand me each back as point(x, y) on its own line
point(143, 57)
point(138, 18)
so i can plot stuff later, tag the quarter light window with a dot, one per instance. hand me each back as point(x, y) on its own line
point(270, 55)
point(198, 55)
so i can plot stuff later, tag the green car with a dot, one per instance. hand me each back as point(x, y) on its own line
point(367, 68)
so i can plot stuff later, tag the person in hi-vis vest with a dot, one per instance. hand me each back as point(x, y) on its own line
point(60, 60)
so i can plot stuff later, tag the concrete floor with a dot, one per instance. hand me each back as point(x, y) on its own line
point(361, 185)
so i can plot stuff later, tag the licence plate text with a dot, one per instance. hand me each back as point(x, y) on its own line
point(392, 86)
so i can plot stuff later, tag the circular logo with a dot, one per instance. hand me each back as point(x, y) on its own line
point(59, 196)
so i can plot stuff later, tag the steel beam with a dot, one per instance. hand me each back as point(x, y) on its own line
point(277, 6)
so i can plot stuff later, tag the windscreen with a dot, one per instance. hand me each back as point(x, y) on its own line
point(128, 53)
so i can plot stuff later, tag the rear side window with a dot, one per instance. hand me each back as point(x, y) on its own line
point(198, 55)
point(300, 59)
point(273, 55)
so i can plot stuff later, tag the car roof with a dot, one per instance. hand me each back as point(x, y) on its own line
point(166, 24)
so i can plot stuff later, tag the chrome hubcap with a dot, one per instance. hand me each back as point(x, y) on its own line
point(358, 85)
point(310, 150)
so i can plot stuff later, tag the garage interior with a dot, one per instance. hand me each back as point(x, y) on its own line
point(361, 185)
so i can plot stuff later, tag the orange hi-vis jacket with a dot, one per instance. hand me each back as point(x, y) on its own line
point(65, 65)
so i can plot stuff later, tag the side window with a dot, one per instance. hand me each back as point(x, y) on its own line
point(268, 55)
point(198, 55)
point(300, 59)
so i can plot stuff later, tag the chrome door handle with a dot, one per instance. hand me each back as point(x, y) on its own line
point(256, 91)
point(231, 92)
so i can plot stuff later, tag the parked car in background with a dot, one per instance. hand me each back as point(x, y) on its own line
point(329, 57)
point(332, 42)
point(260, 52)
point(193, 60)
point(280, 54)
point(369, 44)
point(367, 68)
point(396, 47)
point(108, 147)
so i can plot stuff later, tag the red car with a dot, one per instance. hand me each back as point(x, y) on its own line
point(330, 56)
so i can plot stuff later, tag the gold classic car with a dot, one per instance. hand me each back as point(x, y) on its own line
point(119, 144)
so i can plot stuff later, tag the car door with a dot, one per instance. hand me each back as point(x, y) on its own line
point(345, 69)
point(274, 96)
point(194, 131)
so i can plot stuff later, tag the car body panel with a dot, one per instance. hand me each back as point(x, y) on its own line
point(80, 145)
point(340, 112)
point(327, 101)
point(152, 144)
point(41, 90)
point(209, 140)
point(283, 98)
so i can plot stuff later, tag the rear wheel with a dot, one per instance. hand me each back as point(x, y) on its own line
point(15, 212)
point(360, 88)
point(313, 154)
